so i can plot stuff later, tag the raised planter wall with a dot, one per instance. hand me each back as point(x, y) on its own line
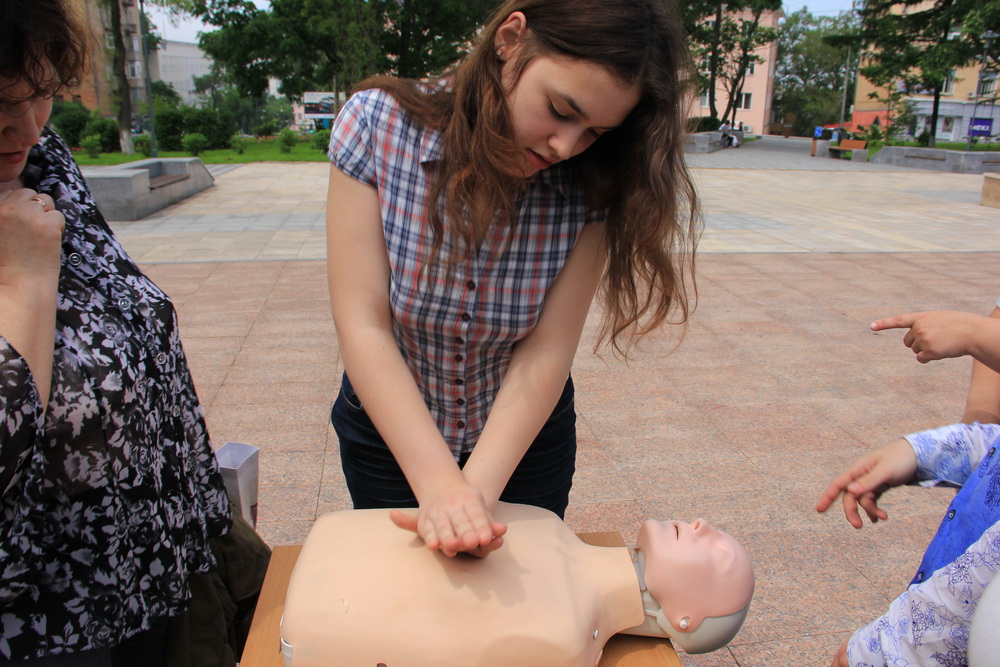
point(937, 159)
point(134, 190)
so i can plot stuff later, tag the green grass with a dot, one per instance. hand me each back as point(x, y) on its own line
point(256, 151)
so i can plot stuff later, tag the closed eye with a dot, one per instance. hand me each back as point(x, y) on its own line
point(555, 113)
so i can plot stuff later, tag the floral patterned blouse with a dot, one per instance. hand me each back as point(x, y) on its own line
point(110, 497)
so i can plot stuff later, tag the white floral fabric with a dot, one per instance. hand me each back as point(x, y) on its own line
point(109, 499)
point(929, 623)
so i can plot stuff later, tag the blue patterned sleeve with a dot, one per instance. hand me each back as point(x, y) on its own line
point(929, 623)
point(949, 454)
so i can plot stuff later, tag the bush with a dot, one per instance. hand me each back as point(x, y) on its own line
point(143, 144)
point(106, 130)
point(287, 139)
point(217, 127)
point(69, 119)
point(194, 143)
point(924, 138)
point(169, 129)
point(92, 145)
point(320, 140)
point(265, 129)
point(705, 124)
point(238, 144)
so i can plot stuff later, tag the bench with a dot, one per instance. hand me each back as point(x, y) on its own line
point(133, 190)
point(165, 180)
point(858, 148)
point(263, 647)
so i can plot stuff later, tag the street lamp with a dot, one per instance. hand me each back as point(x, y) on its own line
point(987, 38)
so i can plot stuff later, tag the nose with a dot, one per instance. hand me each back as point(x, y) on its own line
point(569, 141)
point(20, 125)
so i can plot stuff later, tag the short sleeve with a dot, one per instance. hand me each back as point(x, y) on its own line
point(351, 141)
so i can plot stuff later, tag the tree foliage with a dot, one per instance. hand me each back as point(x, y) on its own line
point(817, 57)
point(916, 50)
point(723, 39)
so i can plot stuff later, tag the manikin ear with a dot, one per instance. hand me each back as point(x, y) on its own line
point(510, 35)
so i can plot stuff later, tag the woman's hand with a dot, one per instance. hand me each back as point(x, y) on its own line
point(31, 230)
point(870, 476)
point(454, 520)
point(933, 335)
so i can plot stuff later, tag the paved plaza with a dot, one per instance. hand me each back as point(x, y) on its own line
point(742, 417)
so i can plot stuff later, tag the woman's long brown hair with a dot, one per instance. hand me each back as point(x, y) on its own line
point(636, 171)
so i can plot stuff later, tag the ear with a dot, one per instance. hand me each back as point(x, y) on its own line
point(510, 35)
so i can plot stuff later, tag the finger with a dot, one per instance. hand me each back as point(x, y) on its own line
point(910, 340)
point(851, 510)
point(869, 502)
point(896, 322)
point(449, 542)
point(405, 520)
point(840, 484)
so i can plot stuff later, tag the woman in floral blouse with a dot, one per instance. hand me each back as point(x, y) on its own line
point(110, 489)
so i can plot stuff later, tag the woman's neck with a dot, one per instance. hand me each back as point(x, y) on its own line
point(8, 186)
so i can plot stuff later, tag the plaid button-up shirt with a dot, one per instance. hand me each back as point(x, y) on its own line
point(457, 329)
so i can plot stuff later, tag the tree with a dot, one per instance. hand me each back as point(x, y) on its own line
point(119, 68)
point(723, 38)
point(741, 36)
point(422, 37)
point(816, 61)
point(918, 49)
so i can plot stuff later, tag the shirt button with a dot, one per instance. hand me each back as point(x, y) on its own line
point(460, 402)
point(161, 359)
point(992, 452)
point(459, 381)
point(176, 411)
point(124, 303)
point(466, 317)
point(951, 514)
point(460, 340)
point(920, 576)
point(460, 424)
point(471, 284)
point(75, 258)
point(459, 357)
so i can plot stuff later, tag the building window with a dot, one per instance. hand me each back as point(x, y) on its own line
point(743, 101)
point(988, 85)
point(949, 84)
point(750, 68)
point(704, 100)
point(135, 69)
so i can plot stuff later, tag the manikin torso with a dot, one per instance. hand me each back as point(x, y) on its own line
point(353, 600)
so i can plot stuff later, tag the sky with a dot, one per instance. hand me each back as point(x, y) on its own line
point(187, 30)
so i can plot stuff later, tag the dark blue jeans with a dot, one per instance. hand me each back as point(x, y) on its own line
point(543, 477)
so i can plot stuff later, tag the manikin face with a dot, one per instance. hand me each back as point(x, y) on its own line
point(20, 128)
point(694, 571)
point(559, 106)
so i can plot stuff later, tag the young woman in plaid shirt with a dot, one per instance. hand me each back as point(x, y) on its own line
point(470, 222)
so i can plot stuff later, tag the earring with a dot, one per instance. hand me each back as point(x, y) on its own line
point(499, 53)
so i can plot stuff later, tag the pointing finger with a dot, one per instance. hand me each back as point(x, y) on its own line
point(896, 322)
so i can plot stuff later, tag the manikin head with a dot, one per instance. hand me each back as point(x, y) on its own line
point(700, 581)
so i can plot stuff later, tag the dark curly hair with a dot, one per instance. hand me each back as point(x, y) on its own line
point(43, 44)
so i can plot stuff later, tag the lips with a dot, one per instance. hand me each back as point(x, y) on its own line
point(537, 161)
point(14, 158)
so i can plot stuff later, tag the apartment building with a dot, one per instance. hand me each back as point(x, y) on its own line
point(753, 109)
point(98, 90)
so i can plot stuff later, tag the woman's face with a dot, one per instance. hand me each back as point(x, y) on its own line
point(20, 128)
point(560, 106)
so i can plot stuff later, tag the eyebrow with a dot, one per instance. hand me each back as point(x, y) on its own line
point(576, 107)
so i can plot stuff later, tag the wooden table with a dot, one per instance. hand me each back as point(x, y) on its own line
point(263, 648)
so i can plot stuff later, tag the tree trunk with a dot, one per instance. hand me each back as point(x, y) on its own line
point(713, 60)
point(119, 67)
point(932, 138)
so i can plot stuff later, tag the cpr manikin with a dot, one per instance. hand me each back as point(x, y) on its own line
point(365, 592)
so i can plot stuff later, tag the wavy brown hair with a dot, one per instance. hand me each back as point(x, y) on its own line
point(42, 44)
point(636, 171)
